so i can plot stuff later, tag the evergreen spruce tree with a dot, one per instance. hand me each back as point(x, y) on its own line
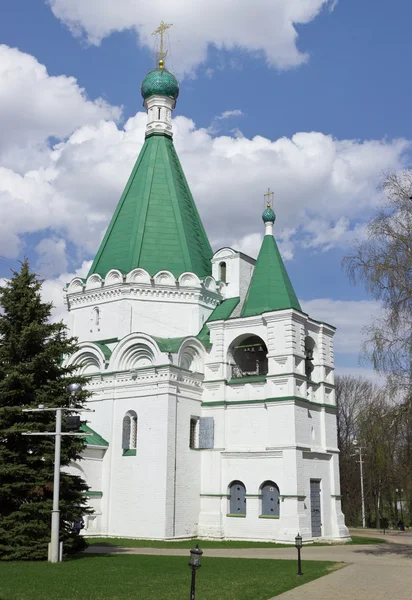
point(31, 373)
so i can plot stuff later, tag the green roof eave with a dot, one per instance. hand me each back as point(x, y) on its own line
point(222, 312)
point(106, 351)
point(93, 440)
point(171, 345)
point(156, 225)
point(270, 288)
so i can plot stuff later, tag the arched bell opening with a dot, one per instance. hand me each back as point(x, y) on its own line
point(248, 357)
point(309, 356)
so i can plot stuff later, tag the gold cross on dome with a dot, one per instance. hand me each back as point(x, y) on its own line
point(161, 31)
point(269, 195)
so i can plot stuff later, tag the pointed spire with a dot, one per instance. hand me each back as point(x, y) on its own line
point(270, 287)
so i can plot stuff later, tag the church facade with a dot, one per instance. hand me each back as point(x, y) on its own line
point(213, 392)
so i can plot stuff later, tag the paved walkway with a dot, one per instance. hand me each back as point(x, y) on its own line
point(374, 572)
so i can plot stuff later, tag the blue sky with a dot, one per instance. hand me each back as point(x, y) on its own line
point(347, 101)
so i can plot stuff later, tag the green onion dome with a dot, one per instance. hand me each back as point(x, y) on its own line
point(268, 215)
point(160, 82)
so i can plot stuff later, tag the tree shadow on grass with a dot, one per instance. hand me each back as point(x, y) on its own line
point(85, 555)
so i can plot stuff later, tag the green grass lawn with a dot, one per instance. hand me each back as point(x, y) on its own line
point(134, 577)
point(129, 543)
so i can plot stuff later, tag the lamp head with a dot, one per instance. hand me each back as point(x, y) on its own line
point(74, 388)
point(298, 541)
point(195, 557)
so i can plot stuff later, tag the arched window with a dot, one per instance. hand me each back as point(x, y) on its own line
point(249, 357)
point(95, 318)
point(222, 272)
point(237, 498)
point(129, 434)
point(270, 499)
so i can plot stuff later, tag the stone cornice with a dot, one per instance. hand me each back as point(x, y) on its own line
point(155, 293)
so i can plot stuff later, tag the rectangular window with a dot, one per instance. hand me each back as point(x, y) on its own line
point(206, 432)
point(193, 436)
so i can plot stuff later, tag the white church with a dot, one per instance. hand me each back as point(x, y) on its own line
point(213, 392)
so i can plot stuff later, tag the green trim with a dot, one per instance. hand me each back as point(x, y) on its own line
point(106, 341)
point(215, 495)
point(92, 440)
point(243, 380)
point(156, 225)
point(269, 401)
point(292, 496)
point(270, 287)
point(236, 516)
point(269, 517)
point(130, 452)
point(253, 495)
point(93, 494)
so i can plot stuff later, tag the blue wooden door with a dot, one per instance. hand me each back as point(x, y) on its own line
point(315, 508)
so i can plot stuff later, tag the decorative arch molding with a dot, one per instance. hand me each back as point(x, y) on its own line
point(138, 276)
point(210, 284)
point(191, 355)
point(94, 282)
point(135, 351)
point(224, 253)
point(113, 277)
point(189, 280)
point(165, 278)
point(76, 285)
point(89, 359)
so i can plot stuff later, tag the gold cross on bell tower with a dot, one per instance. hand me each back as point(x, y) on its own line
point(161, 55)
point(269, 195)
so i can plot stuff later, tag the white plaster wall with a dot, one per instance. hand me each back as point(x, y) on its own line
point(188, 474)
point(118, 318)
point(138, 483)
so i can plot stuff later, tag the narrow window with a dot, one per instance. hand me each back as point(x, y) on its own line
point(270, 499)
point(237, 498)
point(129, 433)
point(193, 435)
point(222, 267)
point(158, 114)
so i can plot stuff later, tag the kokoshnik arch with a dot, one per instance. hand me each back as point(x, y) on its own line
point(213, 392)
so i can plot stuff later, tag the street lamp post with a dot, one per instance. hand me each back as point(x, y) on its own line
point(194, 563)
point(73, 388)
point(298, 544)
point(359, 449)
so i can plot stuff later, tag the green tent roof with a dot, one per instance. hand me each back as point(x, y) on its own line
point(156, 225)
point(270, 287)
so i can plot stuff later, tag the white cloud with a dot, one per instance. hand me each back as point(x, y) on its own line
point(263, 26)
point(324, 188)
point(230, 113)
point(52, 256)
point(53, 291)
point(348, 316)
point(35, 106)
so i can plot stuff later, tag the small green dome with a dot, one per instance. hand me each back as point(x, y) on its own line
point(160, 82)
point(268, 215)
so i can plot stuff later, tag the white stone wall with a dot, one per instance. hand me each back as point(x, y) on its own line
point(281, 428)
